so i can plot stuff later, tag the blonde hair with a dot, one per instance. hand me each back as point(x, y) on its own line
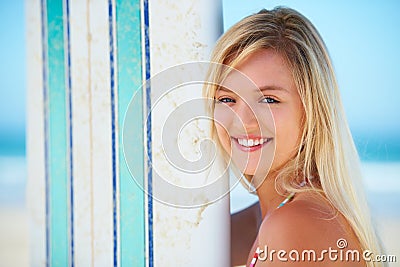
point(327, 153)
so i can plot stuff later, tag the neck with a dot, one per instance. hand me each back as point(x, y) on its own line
point(269, 198)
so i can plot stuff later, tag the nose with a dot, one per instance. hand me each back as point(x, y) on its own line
point(245, 117)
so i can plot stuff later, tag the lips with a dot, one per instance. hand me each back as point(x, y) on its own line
point(249, 144)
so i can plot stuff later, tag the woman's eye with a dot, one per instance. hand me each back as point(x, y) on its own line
point(270, 100)
point(225, 100)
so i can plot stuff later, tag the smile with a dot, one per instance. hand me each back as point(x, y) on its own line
point(251, 144)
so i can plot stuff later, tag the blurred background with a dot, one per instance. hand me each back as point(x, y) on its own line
point(13, 213)
point(362, 38)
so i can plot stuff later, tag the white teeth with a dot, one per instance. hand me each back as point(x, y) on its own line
point(251, 142)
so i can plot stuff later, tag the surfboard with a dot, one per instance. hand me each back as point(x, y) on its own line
point(105, 185)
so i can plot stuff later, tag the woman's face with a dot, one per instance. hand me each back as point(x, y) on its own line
point(259, 118)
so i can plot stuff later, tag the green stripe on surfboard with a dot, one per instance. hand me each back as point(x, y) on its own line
point(57, 135)
point(132, 217)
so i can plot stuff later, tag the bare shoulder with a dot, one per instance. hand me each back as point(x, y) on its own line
point(306, 219)
point(308, 223)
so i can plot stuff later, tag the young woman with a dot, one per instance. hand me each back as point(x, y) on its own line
point(284, 128)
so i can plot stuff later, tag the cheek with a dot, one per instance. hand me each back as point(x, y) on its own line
point(288, 132)
point(223, 137)
point(222, 123)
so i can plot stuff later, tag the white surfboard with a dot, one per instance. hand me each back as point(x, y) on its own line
point(91, 204)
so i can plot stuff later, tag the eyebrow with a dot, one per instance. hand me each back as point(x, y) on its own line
point(222, 88)
point(273, 88)
point(262, 88)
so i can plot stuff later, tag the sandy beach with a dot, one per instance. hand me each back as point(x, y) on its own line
point(14, 237)
point(14, 241)
point(389, 231)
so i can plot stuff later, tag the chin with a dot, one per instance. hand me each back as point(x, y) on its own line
point(249, 172)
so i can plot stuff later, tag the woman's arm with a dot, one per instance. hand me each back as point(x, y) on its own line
point(244, 229)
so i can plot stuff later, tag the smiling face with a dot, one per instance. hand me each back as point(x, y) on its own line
point(259, 123)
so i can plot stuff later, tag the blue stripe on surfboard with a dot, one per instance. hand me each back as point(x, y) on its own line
point(129, 66)
point(113, 130)
point(148, 132)
point(70, 140)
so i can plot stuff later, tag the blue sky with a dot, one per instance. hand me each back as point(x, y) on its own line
point(12, 76)
point(362, 37)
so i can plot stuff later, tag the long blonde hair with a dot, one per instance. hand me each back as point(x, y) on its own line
point(327, 153)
